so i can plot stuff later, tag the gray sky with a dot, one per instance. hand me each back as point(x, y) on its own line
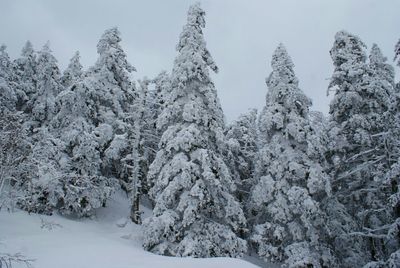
point(241, 36)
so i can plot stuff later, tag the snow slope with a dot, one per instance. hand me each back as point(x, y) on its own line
point(109, 240)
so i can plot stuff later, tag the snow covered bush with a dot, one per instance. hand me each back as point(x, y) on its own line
point(13, 157)
point(40, 185)
point(57, 183)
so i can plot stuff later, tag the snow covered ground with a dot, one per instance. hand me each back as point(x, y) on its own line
point(105, 241)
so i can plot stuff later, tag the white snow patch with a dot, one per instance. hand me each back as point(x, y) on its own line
point(108, 240)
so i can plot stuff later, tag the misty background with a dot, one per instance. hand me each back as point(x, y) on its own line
point(241, 36)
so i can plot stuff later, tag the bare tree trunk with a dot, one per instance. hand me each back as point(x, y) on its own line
point(136, 154)
point(135, 209)
point(135, 188)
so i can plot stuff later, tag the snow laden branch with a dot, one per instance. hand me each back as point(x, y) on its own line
point(9, 260)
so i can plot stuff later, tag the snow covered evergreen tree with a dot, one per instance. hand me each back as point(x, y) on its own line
point(397, 52)
point(241, 138)
point(350, 67)
point(358, 111)
point(389, 230)
point(38, 84)
point(14, 149)
point(94, 123)
point(162, 84)
point(397, 57)
point(8, 97)
point(123, 112)
point(13, 142)
point(146, 136)
point(80, 157)
point(157, 99)
point(155, 103)
point(380, 70)
point(319, 139)
point(73, 72)
point(41, 106)
point(24, 76)
point(195, 212)
point(39, 185)
point(381, 79)
point(289, 225)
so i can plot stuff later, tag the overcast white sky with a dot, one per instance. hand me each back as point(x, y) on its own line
point(241, 35)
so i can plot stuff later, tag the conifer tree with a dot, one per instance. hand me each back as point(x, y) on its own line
point(157, 100)
point(88, 138)
point(155, 104)
point(162, 90)
point(362, 93)
point(41, 106)
point(14, 164)
point(8, 97)
point(381, 80)
point(114, 95)
point(350, 67)
point(195, 212)
point(397, 53)
point(25, 76)
point(148, 106)
point(241, 138)
point(388, 173)
point(94, 123)
point(13, 145)
point(319, 139)
point(39, 186)
point(73, 72)
point(289, 225)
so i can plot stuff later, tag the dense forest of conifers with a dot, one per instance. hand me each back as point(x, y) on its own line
point(294, 186)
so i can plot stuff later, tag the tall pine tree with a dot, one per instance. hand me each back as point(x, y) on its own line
point(195, 212)
point(289, 225)
point(389, 232)
point(358, 109)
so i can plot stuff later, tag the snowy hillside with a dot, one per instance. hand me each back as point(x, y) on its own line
point(85, 243)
